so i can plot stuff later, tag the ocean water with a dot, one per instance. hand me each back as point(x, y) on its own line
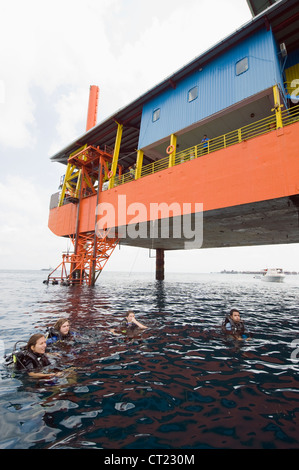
point(180, 384)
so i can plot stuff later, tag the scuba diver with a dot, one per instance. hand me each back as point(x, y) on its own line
point(129, 324)
point(234, 326)
point(32, 358)
point(60, 331)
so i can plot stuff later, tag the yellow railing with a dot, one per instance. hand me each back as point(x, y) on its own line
point(289, 116)
point(154, 167)
point(263, 126)
point(125, 178)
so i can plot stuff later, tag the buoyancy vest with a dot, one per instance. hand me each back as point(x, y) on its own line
point(28, 360)
point(236, 327)
point(126, 327)
point(53, 335)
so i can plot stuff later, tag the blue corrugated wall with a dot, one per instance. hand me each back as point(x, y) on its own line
point(219, 87)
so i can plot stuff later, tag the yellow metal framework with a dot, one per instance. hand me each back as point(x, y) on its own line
point(86, 171)
point(71, 182)
point(115, 155)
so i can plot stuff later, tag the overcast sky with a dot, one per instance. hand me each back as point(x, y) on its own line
point(51, 52)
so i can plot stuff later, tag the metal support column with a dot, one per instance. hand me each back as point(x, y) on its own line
point(116, 154)
point(159, 264)
point(172, 150)
point(139, 164)
point(277, 107)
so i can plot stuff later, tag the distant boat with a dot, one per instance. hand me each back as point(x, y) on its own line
point(273, 275)
point(46, 269)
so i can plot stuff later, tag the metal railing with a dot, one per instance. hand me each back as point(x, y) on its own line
point(290, 116)
point(263, 126)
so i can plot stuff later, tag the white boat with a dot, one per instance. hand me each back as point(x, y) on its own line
point(273, 275)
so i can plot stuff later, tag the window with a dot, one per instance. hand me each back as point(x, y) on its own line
point(192, 94)
point(242, 66)
point(156, 114)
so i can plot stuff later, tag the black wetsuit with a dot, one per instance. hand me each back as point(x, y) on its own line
point(28, 360)
point(55, 335)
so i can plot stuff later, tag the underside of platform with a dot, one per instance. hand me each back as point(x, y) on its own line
point(261, 223)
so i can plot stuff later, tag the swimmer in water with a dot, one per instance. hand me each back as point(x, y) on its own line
point(33, 358)
point(60, 331)
point(234, 326)
point(129, 324)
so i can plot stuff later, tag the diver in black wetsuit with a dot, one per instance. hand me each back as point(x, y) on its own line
point(60, 332)
point(33, 359)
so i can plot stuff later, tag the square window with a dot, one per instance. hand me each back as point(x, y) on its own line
point(156, 114)
point(242, 66)
point(192, 94)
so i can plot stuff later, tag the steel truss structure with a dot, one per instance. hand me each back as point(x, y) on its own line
point(86, 172)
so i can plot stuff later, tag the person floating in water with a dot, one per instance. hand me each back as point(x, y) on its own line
point(129, 324)
point(234, 326)
point(60, 331)
point(33, 359)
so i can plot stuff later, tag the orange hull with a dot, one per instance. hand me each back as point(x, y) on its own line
point(264, 168)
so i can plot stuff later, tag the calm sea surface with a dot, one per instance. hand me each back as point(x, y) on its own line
point(178, 385)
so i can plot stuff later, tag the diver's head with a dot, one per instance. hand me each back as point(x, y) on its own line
point(130, 315)
point(235, 315)
point(37, 344)
point(63, 326)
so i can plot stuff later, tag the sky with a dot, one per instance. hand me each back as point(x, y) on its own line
point(50, 54)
